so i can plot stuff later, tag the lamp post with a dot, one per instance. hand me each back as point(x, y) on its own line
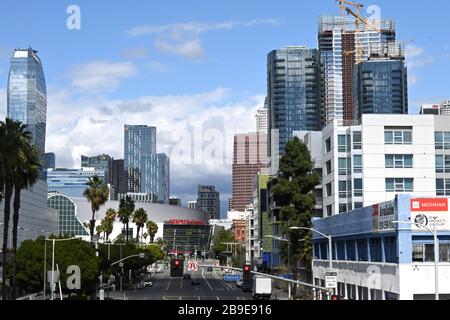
point(436, 252)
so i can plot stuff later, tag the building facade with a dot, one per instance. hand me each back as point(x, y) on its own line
point(71, 182)
point(155, 176)
point(262, 120)
point(341, 47)
point(383, 156)
point(262, 217)
point(377, 259)
point(100, 163)
point(50, 161)
point(27, 95)
point(380, 85)
point(295, 99)
point(209, 201)
point(249, 158)
point(118, 177)
point(187, 236)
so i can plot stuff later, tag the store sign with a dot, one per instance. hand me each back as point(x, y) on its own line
point(186, 222)
point(430, 213)
point(383, 215)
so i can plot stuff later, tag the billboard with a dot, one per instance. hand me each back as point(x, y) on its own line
point(431, 213)
point(382, 216)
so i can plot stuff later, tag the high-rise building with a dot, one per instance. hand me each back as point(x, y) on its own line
point(295, 98)
point(380, 85)
point(101, 162)
point(49, 161)
point(27, 95)
point(437, 109)
point(262, 120)
point(342, 45)
point(209, 201)
point(145, 170)
point(250, 158)
point(118, 177)
point(192, 205)
point(139, 142)
point(71, 182)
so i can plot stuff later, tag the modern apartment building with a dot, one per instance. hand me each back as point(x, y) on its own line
point(209, 201)
point(262, 120)
point(250, 158)
point(342, 45)
point(295, 98)
point(382, 156)
point(71, 182)
point(380, 85)
point(145, 170)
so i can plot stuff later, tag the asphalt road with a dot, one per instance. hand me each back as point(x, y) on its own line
point(212, 287)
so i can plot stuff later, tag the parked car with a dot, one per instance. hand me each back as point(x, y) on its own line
point(148, 284)
point(195, 283)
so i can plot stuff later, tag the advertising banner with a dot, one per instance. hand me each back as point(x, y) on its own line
point(382, 216)
point(430, 213)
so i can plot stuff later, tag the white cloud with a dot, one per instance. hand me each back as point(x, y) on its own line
point(184, 39)
point(97, 76)
point(416, 59)
point(157, 67)
point(136, 53)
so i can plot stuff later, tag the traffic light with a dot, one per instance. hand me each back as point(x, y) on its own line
point(176, 268)
point(247, 277)
point(335, 298)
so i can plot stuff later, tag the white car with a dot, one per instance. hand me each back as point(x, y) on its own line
point(148, 284)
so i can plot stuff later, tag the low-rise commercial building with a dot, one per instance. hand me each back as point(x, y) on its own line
point(378, 259)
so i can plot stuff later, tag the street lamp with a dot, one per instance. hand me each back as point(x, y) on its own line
point(436, 251)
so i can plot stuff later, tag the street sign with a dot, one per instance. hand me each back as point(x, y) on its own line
point(331, 280)
point(193, 266)
point(232, 278)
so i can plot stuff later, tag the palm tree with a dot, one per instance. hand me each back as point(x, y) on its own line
point(110, 218)
point(126, 209)
point(140, 217)
point(13, 136)
point(152, 230)
point(25, 176)
point(97, 193)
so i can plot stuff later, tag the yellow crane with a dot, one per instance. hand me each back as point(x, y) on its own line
point(358, 6)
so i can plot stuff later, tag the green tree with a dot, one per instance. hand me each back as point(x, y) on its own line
point(219, 240)
point(110, 218)
point(152, 230)
point(292, 190)
point(25, 176)
point(140, 217)
point(14, 138)
point(97, 193)
point(126, 209)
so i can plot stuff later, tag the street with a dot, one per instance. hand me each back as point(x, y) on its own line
point(212, 287)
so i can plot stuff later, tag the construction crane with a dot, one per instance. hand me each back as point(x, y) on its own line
point(358, 6)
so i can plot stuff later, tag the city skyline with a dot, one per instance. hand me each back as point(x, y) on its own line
point(145, 68)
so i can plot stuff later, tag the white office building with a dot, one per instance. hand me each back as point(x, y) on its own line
point(382, 156)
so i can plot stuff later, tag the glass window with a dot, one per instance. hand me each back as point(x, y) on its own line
point(342, 166)
point(440, 187)
point(357, 164)
point(398, 136)
point(418, 254)
point(389, 137)
point(328, 165)
point(447, 140)
point(328, 144)
point(342, 208)
point(429, 253)
point(439, 164)
point(399, 161)
point(358, 187)
point(444, 253)
point(399, 185)
point(351, 250)
point(357, 141)
point(375, 250)
point(342, 189)
point(390, 250)
point(362, 250)
point(439, 140)
point(342, 143)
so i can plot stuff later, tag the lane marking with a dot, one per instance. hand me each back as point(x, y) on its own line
point(168, 284)
point(218, 298)
point(203, 275)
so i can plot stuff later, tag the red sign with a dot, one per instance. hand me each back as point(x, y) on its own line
point(429, 205)
point(186, 222)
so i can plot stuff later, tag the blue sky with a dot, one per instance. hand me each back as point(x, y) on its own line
point(164, 62)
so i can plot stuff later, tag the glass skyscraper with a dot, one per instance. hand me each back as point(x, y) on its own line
point(380, 86)
point(295, 98)
point(27, 95)
point(102, 163)
point(71, 182)
point(145, 170)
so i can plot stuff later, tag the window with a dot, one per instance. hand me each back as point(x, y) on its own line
point(443, 187)
point(442, 164)
point(342, 208)
point(358, 187)
point(375, 250)
point(342, 189)
point(329, 190)
point(357, 164)
point(328, 165)
point(398, 136)
point(362, 250)
point(418, 254)
point(329, 211)
point(357, 141)
point(328, 145)
point(340, 246)
point(358, 205)
point(351, 250)
point(399, 185)
point(342, 166)
point(342, 143)
point(390, 250)
point(444, 253)
point(429, 252)
point(442, 140)
point(399, 161)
